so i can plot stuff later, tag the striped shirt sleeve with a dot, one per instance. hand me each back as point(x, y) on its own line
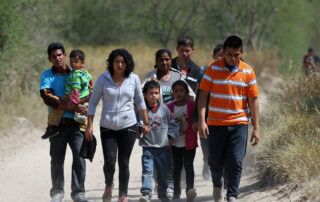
point(73, 82)
point(252, 87)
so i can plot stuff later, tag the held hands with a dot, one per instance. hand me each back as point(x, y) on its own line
point(195, 126)
point(255, 136)
point(203, 130)
point(145, 129)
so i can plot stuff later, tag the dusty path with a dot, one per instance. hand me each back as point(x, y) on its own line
point(25, 172)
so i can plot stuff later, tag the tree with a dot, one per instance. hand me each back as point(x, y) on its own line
point(250, 19)
point(166, 20)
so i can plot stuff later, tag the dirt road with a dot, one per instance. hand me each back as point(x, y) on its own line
point(25, 171)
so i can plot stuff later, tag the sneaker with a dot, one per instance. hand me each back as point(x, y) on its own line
point(123, 198)
point(57, 198)
point(191, 194)
point(217, 194)
point(145, 198)
point(81, 200)
point(51, 131)
point(170, 192)
point(80, 118)
point(80, 197)
point(232, 199)
point(107, 195)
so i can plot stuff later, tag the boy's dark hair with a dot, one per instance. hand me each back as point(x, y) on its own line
point(55, 46)
point(150, 85)
point(160, 52)
point(185, 41)
point(233, 42)
point(217, 49)
point(181, 83)
point(77, 54)
point(127, 58)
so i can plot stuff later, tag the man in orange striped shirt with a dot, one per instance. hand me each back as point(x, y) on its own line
point(232, 87)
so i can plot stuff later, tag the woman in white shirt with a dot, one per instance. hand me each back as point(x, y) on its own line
point(120, 90)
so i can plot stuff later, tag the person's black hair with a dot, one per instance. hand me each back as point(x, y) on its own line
point(55, 46)
point(217, 49)
point(310, 50)
point(233, 42)
point(77, 54)
point(160, 52)
point(127, 58)
point(150, 85)
point(185, 41)
point(181, 83)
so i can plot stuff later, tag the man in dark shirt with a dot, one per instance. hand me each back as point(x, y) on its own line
point(183, 63)
point(310, 62)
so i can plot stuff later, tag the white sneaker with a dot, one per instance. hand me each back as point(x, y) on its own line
point(170, 192)
point(191, 194)
point(232, 199)
point(57, 198)
point(217, 194)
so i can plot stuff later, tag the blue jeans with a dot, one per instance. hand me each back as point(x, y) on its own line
point(157, 158)
point(227, 148)
point(69, 134)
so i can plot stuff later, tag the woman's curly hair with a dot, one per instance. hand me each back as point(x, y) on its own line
point(127, 58)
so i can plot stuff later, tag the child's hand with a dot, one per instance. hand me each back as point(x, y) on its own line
point(145, 129)
point(81, 109)
point(195, 126)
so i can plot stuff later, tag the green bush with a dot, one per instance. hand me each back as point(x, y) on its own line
point(290, 149)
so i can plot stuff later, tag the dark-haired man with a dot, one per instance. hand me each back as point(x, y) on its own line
point(310, 62)
point(232, 87)
point(183, 63)
point(52, 82)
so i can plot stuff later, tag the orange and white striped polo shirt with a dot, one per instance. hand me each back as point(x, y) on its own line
point(229, 93)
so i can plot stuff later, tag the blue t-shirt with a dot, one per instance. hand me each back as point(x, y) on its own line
point(56, 82)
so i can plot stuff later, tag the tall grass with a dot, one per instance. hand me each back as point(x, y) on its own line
point(290, 152)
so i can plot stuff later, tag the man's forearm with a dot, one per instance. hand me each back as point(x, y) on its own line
point(54, 101)
point(49, 98)
point(202, 102)
point(254, 109)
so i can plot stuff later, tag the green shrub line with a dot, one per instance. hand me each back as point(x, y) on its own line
point(291, 133)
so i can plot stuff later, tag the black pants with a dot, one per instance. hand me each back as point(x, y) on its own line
point(69, 134)
point(227, 149)
point(182, 157)
point(120, 142)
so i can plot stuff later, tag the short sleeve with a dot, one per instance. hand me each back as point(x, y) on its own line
point(252, 86)
point(206, 81)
